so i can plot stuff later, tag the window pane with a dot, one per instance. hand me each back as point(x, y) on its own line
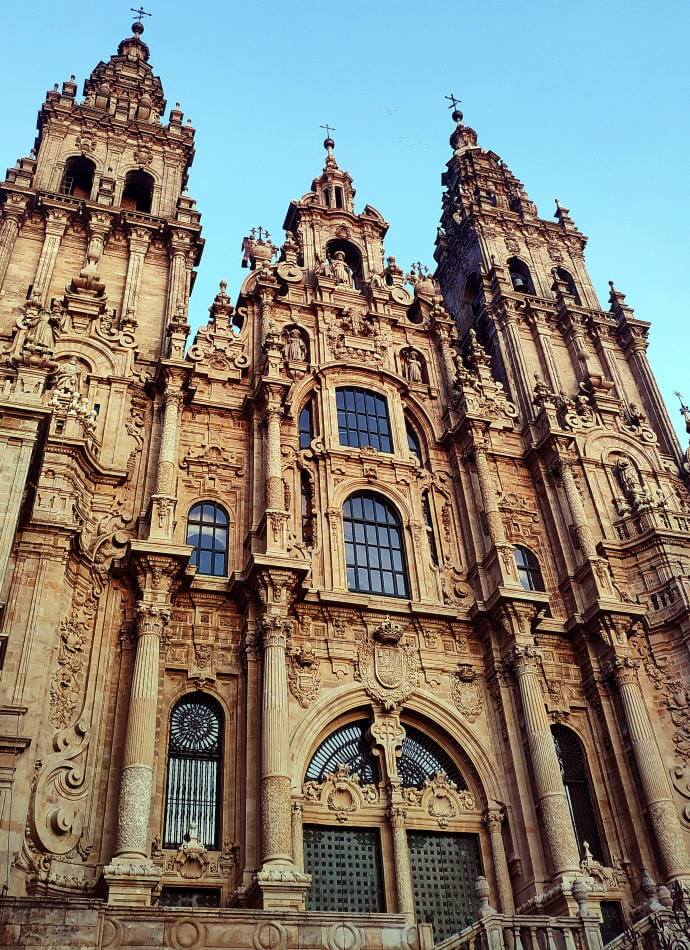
point(365, 423)
point(375, 562)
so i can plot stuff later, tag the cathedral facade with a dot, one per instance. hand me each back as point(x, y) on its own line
point(361, 618)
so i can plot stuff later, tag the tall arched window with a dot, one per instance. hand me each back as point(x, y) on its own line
point(520, 276)
point(207, 532)
point(194, 771)
point(573, 762)
point(374, 546)
point(363, 419)
point(528, 569)
point(471, 297)
point(77, 179)
point(306, 425)
point(413, 443)
point(137, 194)
point(566, 278)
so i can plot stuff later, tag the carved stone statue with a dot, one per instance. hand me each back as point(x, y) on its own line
point(342, 272)
point(42, 328)
point(67, 376)
point(325, 269)
point(636, 495)
point(295, 350)
point(413, 367)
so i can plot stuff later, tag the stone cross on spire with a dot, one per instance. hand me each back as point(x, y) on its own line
point(140, 13)
point(454, 103)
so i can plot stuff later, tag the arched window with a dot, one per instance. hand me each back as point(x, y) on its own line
point(374, 551)
point(421, 758)
point(573, 763)
point(195, 748)
point(413, 443)
point(471, 297)
point(520, 276)
point(529, 571)
point(429, 527)
point(77, 179)
point(138, 192)
point(363, 419)
point(346, 746)
point(567, 279)
point(306, 425)
point(207, 532)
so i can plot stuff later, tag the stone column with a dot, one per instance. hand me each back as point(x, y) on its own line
point(401, 858)
point(177, 275)
point(653, 777)
point(56, 224)
point(276, 516)
point(447, 356)
point(540, 328)
point(650, 389)
point(557, 825)
point(164, 498)
point(12, 214)
point(139, 240)
point(519, 366)
point(298, 835)
point(279, 881)
point(583, 533)
point(493, 819)
point(487, 489)
point(131, 876)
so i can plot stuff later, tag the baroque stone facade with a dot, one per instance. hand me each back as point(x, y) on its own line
point(375, 559)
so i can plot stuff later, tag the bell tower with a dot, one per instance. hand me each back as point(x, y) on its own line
point(522, 284)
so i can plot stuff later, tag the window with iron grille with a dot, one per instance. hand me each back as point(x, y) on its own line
point(194, 771)
point(374, 552)
point(573, 762)
point(207, 532)
point(444, 868)
point(421, 757)
point(529, 571)
point(363, 419)
point(345, 869)
point(346, 746)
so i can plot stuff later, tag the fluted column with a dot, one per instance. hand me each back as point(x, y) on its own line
point(401, 859)
point(139, 240)
point(276, 515)
point(519, 366)
point(487, 489)
point(177, 276)
point(653, 778)
point(576, 507)
point(12, 214)
point(447, 356)
point(136, 781)
point(650, 389)
point(548, 783)
point(493, 819)
point(56, 224)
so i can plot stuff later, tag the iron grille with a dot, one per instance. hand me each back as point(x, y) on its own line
point(189, 897)
point(194, 758)
point(345, 868)
point(444, 869)
point(421, 757)
point(612, 924)
point(345, 746)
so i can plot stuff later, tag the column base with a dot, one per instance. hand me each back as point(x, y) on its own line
point(279, 886)
point(131, 884)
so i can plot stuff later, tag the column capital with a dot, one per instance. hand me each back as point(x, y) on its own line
point(152, 619)
point(524, 659)
point(493, 818)
point(623, 669)
point(14, 207)
point(275, 630)
point(397, 816)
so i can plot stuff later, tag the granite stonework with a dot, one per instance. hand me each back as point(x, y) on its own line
point(402, 557)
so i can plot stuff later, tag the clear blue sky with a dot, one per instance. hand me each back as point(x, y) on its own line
point(585, 100)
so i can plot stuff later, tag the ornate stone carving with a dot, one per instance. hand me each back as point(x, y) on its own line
point(304, 675)
point(440, 798)
point(191, 860)
point(388, 669)
point(467, 691)
point(341, 792)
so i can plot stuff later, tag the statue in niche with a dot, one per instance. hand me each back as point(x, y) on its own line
point(295, 350)
point(413, 367)
point(325, 269)
point(67, 377)
point(342, 272)
point(636, 495)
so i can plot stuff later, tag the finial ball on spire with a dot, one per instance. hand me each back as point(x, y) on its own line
point(137, 28)
point(328, 143)
point(457, 116)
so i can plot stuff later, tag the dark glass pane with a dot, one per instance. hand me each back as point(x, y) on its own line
point(365, 423)
point(207, 530)
point(363, 515)
point(571, 757)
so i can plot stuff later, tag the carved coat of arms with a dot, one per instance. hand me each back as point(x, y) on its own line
point(387, 668)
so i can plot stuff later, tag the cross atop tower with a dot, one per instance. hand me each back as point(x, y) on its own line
point(328, 128)
point(140, 13)
point(454, 103)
